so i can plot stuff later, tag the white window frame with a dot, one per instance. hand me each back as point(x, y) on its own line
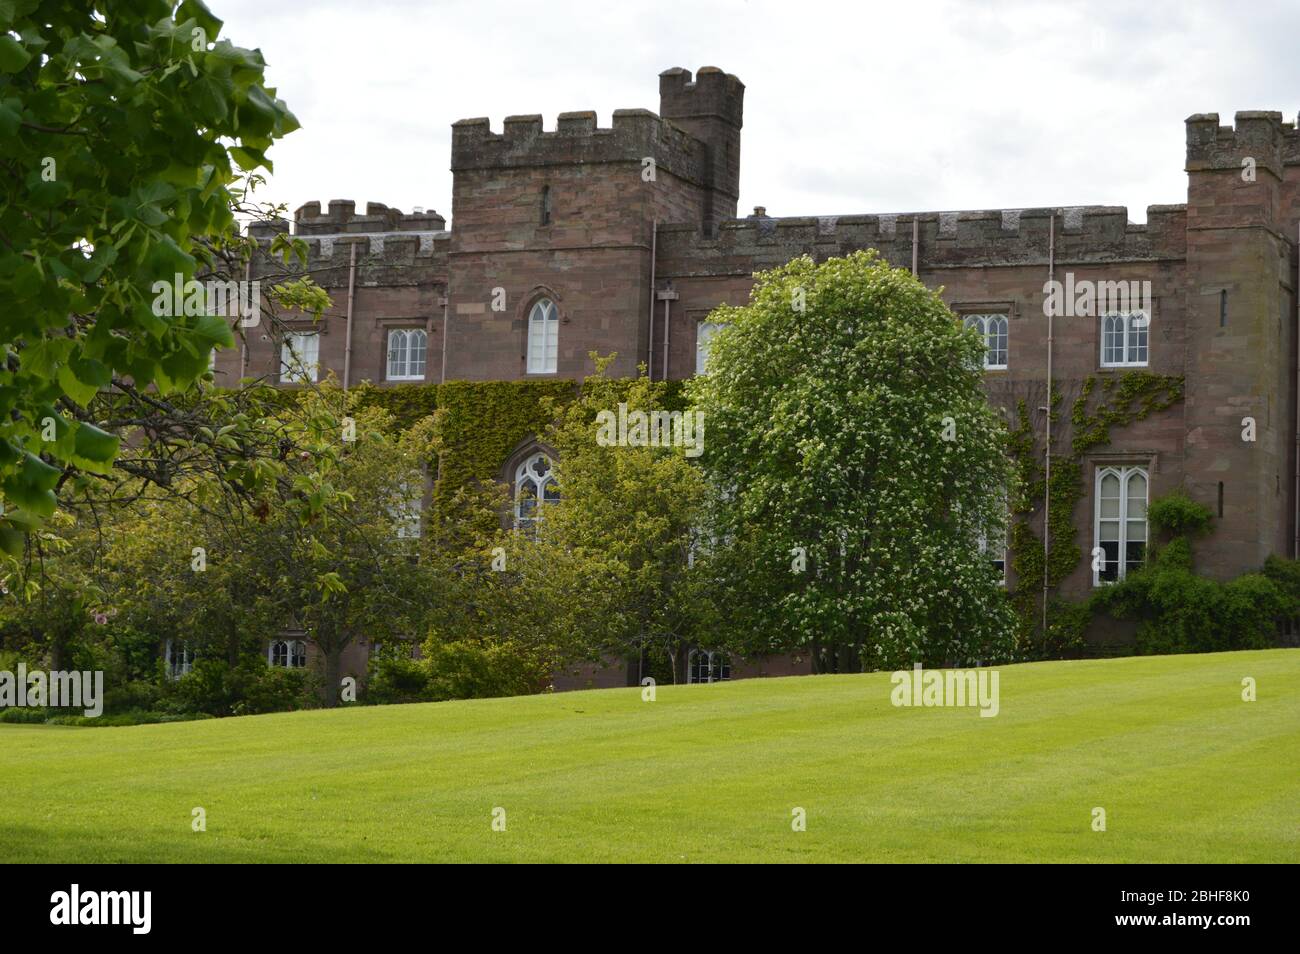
point(1135, 338)
point(992, 327)
point(1124, 473)
point(523, 473)
point(984, 549)
point(293, 649)
point(718, 662)
point(407, 514)
point(543, 337)
point(407, 363)
point(295, 368)
point(186, 661)
point(704, 331)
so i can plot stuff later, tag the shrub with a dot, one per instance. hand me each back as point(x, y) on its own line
point(1180, 612)
point(1178, 515)
point(397, 679)
point(251, 688)
point(1067, 624)
point(134, 696)
point(472, 669)
point(262, 688)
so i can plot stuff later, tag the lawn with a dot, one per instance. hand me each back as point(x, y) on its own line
point(1186, 771)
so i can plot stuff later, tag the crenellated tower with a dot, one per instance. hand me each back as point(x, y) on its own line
point(712, 110)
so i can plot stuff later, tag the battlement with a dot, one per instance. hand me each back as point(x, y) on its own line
point(634, 135)
point(1256, 134)
point(713, 94)
point(1084, 235)
point(342, 217)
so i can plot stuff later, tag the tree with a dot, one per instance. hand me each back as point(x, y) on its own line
point(855, 466)
point(226, 560)
point(122, 138)
point(351, 568)
point(609, 569)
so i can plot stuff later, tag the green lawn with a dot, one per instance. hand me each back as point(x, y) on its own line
point(1186, 771)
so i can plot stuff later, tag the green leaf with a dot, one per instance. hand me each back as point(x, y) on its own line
point(202, 15)
point(13, 55)
point(9, 120)
point(210, 332)
point(32, 486)
point(74, 389)
point(95, 449)
point(11, 540)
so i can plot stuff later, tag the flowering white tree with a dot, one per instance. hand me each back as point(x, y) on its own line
point(859, 473)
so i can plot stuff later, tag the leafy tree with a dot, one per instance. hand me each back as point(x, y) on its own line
point(124, 128)
point(352, 568)
point(226, 559)
point(609, 569)
point(855, 465)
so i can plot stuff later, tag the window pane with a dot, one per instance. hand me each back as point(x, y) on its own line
point(1134, 554)
point(1110, 561)
point(997, 342)
point(1108, 501)
point(703, 334)
point(417, 346)
point(396, 354)
point(1137, 339)
point(1112, 340)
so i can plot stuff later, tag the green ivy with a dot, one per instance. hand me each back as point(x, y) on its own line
point(479, 422)
point(1121, 400)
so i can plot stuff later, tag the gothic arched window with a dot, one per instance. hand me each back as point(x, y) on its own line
point(993, 329)
point(534, 485)
point(543, 337)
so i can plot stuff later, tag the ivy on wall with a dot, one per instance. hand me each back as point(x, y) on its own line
point(1103, 403)
point(481, 422)
point(478, 422)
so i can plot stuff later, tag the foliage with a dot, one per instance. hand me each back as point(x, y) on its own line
point(123, 137)
point(1178, 515)
point(396, 678)
point(480, 669)
point(1122, 399)
point(848, 423)
point(1178, 611)
point(234, 557)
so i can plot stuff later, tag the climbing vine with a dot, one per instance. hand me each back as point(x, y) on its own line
point(1103, 403)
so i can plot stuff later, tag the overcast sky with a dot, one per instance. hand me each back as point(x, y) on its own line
point(858, 107)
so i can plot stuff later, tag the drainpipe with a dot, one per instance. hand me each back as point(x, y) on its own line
point(446, 336)
point(347, 341)
point(916, 239)
point(667, 298)
point(650, 345)
point(243, 338)
point(1047, 455)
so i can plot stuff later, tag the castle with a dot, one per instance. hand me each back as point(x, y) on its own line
point(623, 239)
